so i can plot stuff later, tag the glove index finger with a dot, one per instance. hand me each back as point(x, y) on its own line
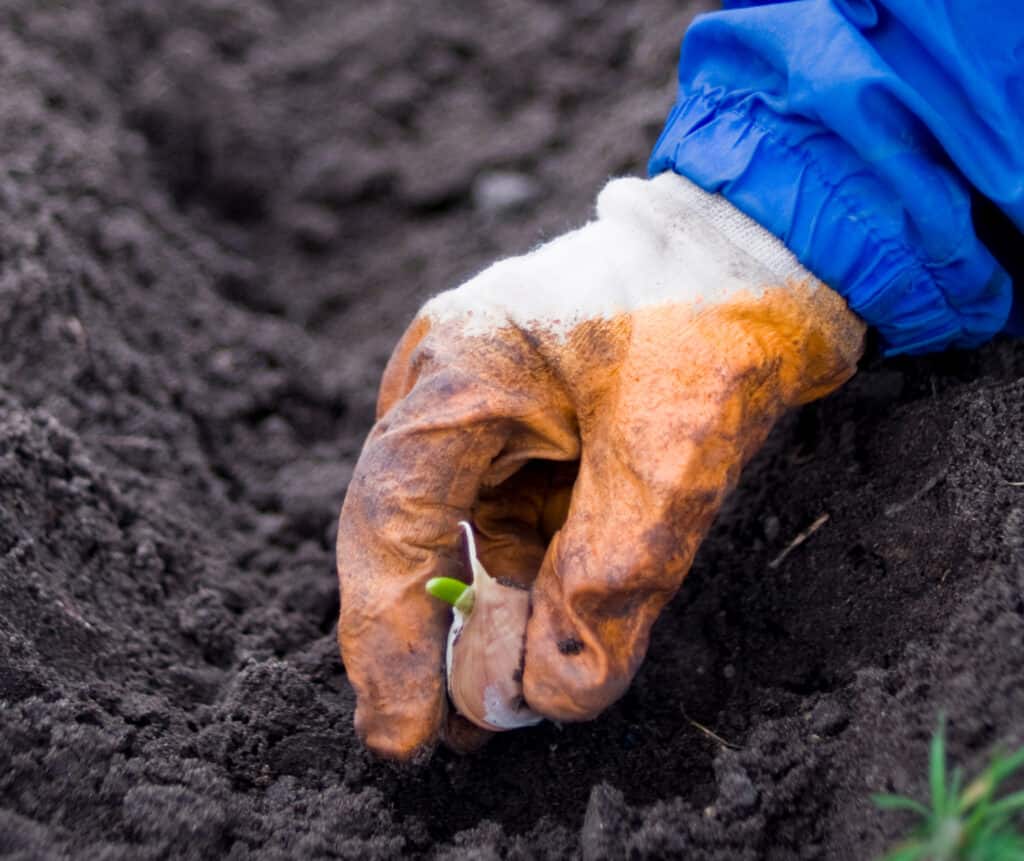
point(462, 407)
point(416, 479)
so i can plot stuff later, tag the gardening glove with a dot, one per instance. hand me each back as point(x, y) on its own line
point(586, 408)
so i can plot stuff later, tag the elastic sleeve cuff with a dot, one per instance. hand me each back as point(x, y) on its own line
point(807, 187)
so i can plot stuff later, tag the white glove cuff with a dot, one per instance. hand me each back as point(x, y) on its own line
point(686, 214)
point(654, 242)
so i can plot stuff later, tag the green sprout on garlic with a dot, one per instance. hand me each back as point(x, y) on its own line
point(452, 591)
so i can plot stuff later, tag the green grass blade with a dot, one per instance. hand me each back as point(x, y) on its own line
point(984, 786)
point(1007, 805)
point(956, 783)
point(1003, 767)
point(900, 802)
point(446, 588)
point(978, 791)
point(996, 846)
point(937, 768)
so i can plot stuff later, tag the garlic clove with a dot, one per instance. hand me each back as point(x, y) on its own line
point(485, 649)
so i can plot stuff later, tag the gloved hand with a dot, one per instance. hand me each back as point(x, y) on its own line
point(587, 407)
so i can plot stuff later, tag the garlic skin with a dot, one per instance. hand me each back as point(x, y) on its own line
point(485, 650)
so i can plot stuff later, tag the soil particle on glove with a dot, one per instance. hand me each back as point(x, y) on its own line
point(216, 217)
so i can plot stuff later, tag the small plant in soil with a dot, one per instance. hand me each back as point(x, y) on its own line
point(962, 823)
point(453, 592)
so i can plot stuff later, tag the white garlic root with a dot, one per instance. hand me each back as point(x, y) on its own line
point(485, 650)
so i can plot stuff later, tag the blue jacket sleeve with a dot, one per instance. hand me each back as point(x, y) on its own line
point(857, 131)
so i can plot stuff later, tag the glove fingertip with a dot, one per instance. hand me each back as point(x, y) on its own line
point(399, 737)
point(567, 675)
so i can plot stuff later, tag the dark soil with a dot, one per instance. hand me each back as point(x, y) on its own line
point(216, 216)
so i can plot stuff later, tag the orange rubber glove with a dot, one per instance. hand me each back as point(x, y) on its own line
point(586, 407)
